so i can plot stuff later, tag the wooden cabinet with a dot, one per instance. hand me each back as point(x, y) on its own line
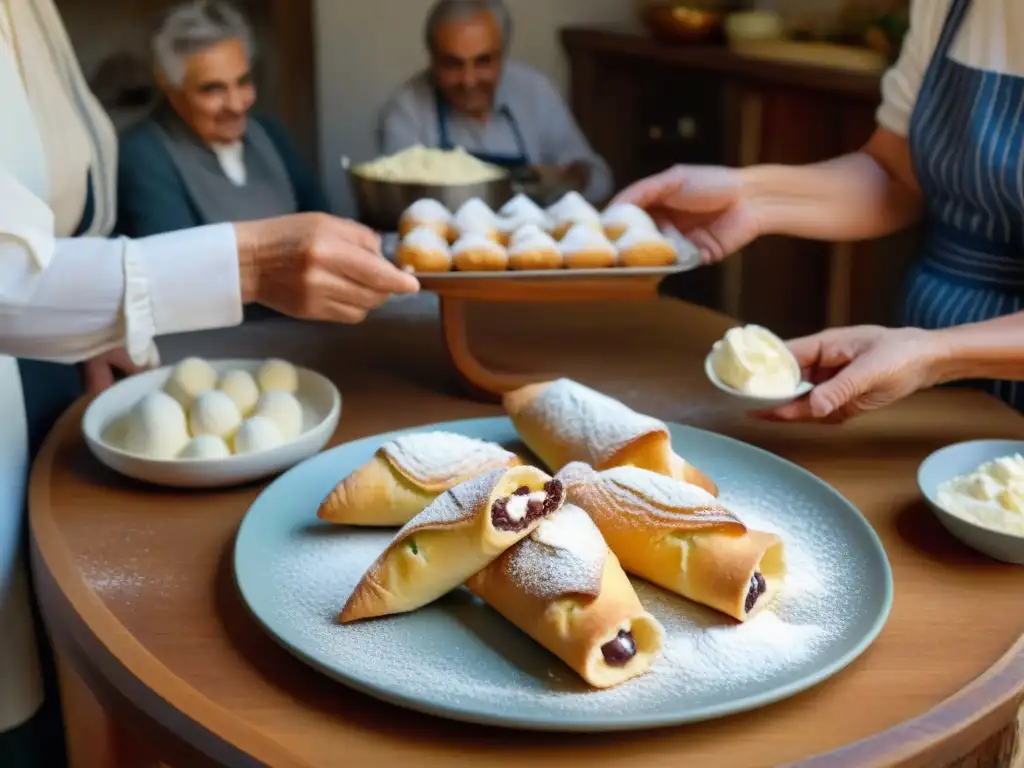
point(647, 106)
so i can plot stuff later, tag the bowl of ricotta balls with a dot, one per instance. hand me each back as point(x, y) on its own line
point(212, 423)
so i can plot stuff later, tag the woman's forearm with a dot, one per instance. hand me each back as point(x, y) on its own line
point(868, 194)
point(993, 349)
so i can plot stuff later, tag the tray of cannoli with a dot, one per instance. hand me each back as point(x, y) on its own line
point(569, 239)
point(573, 566)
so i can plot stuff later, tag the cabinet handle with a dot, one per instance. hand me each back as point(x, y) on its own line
point(686, 127)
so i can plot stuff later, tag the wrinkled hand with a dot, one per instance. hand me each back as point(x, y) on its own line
point(703, 202)
point(860, 369)
point(317, 267)
point(100, 372)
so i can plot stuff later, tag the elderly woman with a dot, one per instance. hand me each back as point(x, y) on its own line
point(66, 299)
point(201, 158)
point(948, 151)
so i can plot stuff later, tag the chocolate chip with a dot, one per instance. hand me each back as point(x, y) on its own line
point(758, 586)
point(620, 650)
point(522, 490)
point(534, 508)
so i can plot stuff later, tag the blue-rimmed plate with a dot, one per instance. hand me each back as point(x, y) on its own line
point(459, 659)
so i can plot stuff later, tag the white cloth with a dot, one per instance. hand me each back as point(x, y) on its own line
point(77, 136)
point(68, 300)
point(232, 161)
point(991, 38)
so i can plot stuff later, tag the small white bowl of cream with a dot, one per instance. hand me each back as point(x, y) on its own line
point(755, 366)
point(976, 489)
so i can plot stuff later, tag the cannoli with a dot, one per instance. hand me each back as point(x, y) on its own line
point(680, 537)
point(406, 474)
point(563, 587)
point(462, 532)
point(562, 421)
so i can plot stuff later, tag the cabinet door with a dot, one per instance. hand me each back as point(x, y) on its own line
point(681, 119)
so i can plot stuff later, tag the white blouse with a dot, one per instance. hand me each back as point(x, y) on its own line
point(991, 38)
point(70, 299)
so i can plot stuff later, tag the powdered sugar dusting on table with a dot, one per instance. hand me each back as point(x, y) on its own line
point(594, 426)
point(443, 458)
point(565, 555)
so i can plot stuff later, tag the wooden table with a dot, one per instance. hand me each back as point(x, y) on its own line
point(137, 591)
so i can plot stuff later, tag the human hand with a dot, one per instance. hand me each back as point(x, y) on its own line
point(317, 267)
point(100, 372)
point(705, 203)
point(859, 369)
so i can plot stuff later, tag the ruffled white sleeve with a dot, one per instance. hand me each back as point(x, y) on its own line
point(67, 300)
point(902, 82)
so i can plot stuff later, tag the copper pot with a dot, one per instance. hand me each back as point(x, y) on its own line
point(673, 22)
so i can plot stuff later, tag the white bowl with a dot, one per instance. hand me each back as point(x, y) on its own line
point(752, 402)
point(321, 409)
point(960, 459)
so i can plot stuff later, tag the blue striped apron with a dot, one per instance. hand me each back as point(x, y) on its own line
point(967, 145)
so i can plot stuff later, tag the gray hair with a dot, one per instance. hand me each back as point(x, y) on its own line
point(453, 10)
point(192, 27)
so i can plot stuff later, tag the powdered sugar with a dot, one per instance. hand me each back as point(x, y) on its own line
point(521, 211)
point(458, 656)
point(531, 238)
point(441, 459)
point(649, 498)
point(476, 241)
point(635, 236)
point(428, 211)
point(475, 215)
point(456, 504)
point(585, 238)
point(626, 215)
point(573, 208)
point(564, 555)
point(425, 239)
point(594, 426)
point(458, 652)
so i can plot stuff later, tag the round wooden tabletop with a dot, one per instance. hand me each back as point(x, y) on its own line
point(136, 587)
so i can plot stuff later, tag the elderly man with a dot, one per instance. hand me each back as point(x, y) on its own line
point(501, 111)
point(201, 158)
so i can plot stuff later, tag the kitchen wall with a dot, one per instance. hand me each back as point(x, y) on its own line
point(367, 49)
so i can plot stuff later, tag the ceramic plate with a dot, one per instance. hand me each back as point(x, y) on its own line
point(459, 659)
point(103, 426)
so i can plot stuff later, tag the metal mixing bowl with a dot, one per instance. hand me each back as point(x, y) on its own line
point(382, 203)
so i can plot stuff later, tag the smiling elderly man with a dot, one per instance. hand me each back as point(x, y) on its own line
point(503, 112)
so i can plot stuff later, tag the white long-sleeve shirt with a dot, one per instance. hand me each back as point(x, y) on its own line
point(991, 38)
point(67, 300)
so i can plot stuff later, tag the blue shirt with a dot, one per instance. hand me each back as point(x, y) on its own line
point(549, 131)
